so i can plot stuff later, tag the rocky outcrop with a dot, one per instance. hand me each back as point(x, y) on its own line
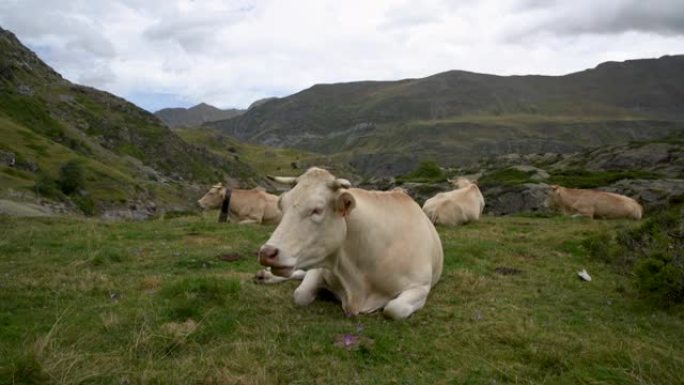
point(665, 158)
point(135, 211)
point(505, 200)
point(652, 194)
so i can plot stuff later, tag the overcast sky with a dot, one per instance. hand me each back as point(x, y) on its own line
point(166, 53)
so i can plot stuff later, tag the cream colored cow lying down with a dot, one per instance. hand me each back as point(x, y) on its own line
point(371, 249)
point(456, 207)
point(245, 206)
point(248, 206)
point(593, 203)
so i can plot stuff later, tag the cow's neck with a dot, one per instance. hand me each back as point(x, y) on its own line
point(351, 269)
point(352, 283)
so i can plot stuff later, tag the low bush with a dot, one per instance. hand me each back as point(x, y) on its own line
point(506, 177)
point(71, 177)
point(428, 171)
point(652, 253)
point(580, 178)
point(47, 187)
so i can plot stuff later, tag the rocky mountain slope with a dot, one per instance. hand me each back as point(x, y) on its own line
point(119, 156)
point(652, 172)
point(195, 116)
point(385, 128)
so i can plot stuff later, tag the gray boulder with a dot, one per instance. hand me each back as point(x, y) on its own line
point(505, 200)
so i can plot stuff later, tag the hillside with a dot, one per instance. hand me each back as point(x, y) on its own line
point(195, 116)
point(125, 157)
point(263, 159)
point(385, 128)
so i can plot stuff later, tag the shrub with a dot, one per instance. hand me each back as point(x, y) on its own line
point(506, 177)
point(47, 187)
point(84, 203)
point(580, 178)
point(426, 172)
point(71, 177)
point(652, 253)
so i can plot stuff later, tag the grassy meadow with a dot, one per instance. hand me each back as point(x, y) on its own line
point(84, 301)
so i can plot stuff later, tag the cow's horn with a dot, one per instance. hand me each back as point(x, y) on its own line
point(283, 179)
point(340, 183)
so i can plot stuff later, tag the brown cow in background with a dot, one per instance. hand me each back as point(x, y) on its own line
point(594, 203)
point(246, 206)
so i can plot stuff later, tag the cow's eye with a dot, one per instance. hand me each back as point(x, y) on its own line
point(316, 211)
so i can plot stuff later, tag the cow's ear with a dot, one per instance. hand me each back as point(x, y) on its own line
point(340, 183)
point(345, 203)
point(291, 180)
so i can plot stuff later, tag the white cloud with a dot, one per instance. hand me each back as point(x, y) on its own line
point(230, 53)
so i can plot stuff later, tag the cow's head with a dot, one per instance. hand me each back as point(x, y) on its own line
point(461, 182)
point(553, 197)
point(213, 198)
point(313, 226)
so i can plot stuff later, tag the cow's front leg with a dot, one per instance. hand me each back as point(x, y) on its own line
point(265, 276)
point(308, 289)
point(407, 302)
point(248, 221)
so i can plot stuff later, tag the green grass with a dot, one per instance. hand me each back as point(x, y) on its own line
point(87, 301)
point(580, 178)
point(506, 177)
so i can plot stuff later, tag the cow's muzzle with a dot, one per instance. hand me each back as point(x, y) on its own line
point(268, 256)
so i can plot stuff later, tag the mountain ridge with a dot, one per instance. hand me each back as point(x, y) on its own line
point(380, 120)
point(196, 115)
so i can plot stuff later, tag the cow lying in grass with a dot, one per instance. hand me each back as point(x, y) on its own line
point(593, 203)
point(456, 207)
point(373, 250)
point(245, 206)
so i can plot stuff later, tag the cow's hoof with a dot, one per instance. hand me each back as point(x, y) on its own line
point(263, 276)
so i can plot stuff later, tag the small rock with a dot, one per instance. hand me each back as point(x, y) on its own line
point(584, 275)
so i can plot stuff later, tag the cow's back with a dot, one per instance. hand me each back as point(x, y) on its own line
point(394, 239)
point(611, 205)
point(455, 207)
point(596, 203)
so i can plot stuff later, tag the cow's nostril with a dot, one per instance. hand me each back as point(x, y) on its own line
point(267, 253)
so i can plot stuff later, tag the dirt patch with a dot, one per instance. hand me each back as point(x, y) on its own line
point(507, 271)
point(229, 257)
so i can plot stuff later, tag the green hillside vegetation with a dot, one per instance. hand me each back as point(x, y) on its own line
point(386, 128)
point(652, 254)
point(150, 302)
point(125, 154)
point(264, 160)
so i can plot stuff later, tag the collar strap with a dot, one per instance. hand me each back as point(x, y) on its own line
point(223, 216)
